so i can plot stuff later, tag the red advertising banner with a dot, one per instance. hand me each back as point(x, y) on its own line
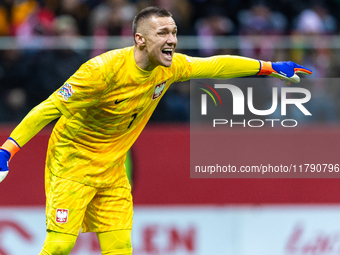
point(161, 173)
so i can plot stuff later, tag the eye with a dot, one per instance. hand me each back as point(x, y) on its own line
point(161, 33)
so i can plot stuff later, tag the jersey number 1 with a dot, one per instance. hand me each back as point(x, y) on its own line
point(133, 116)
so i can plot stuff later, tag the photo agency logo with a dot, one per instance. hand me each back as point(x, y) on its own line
point(295, 96)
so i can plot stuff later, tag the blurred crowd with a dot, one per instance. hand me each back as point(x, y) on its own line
point(29, 75)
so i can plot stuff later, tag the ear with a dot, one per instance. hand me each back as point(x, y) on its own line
point(139, 39)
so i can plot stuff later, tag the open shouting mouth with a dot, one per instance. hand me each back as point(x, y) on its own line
point(167, 53)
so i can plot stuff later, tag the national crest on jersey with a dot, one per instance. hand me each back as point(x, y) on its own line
point(66, 91)
point(61, 216)
point(158, 90)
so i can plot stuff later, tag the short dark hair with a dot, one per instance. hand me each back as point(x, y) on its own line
point(147, 13)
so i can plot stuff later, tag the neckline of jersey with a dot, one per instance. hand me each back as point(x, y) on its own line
point(137, 68)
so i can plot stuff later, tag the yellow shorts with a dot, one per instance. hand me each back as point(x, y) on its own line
point(71, 205)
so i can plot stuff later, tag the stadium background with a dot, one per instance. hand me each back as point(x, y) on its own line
point(43, 42)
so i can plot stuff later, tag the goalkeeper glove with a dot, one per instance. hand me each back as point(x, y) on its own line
point(4, 159)
point(286, 70)
point(7, 151)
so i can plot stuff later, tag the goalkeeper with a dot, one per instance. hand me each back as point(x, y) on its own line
point(102, 109)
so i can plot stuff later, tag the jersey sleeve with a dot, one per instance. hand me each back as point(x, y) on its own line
point(34, 121)
point(224, 66)
point(83, 89)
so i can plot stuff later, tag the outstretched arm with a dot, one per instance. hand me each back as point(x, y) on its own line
point(227, 66)
point(34, 121)
point(224, 67)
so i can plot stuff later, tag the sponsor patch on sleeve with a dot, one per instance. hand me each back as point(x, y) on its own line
point(66, 91)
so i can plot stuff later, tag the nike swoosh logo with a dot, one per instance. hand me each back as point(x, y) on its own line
point(119, 101)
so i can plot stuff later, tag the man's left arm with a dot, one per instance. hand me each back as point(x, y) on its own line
point(228, 66)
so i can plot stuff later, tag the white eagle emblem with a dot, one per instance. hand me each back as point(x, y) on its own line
point(62, 215)
point(158, 90)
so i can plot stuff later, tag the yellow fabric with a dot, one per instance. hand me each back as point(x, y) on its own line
point(115, 242)
point(92, 209)
point(44, 252)
point(58, 243)
point(105, 106)
point(223, 66)
point(34, 121)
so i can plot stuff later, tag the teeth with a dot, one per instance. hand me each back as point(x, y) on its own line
point(167, 50)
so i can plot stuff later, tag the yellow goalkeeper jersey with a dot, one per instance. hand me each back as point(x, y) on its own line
point(107, 103)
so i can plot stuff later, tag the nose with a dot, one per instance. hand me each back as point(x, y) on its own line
point(172, 39)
